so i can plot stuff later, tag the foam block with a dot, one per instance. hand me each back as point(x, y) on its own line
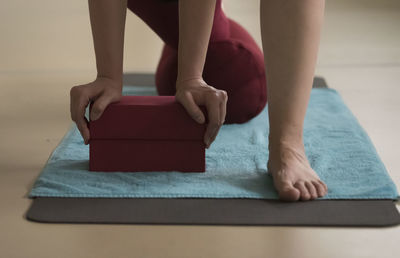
point(146, 133)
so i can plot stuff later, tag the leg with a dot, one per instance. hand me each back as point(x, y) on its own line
point(162, 17)
point(234, 62)
point(290, 35)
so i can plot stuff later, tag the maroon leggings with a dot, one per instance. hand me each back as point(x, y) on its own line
point(234, 62)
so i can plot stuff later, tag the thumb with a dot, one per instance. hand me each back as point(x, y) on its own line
point(99, 105)
point(191, 107)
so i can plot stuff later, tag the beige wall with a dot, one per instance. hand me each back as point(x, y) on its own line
point(55, 36)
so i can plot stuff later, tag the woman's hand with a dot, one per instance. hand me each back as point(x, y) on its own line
point(194, 92)
point(101, 92)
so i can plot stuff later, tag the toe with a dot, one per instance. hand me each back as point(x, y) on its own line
point(320, 188)
point(288, 193)
point(324, 185)
point(304, 194)
point(311, 190)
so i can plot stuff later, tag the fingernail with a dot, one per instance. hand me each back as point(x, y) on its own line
point(198, 119)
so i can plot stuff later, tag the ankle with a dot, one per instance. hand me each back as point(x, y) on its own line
point(286, 151)
point(284, 145)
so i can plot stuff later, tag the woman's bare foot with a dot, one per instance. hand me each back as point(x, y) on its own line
point(294, 179)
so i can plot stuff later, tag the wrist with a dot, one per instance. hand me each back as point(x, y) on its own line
point(114, 82)
point(189, 81)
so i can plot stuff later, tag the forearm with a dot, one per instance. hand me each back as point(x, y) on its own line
point(195, 24)
point(107, 18)
point(291, 32)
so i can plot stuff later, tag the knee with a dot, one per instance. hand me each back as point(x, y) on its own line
point(242, 77)
point(246, 102)
point(230, 66)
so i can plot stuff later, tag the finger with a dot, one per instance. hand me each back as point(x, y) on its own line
point(83, 128)
point(223, 100)
point(74, 94)
point(99, 105)
point(214, 136)
point(186, 99)
point(79, 102)
point(213, 110)
point(223, 106)
point(80, 119)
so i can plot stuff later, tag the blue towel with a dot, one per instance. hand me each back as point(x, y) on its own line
point(338, 149)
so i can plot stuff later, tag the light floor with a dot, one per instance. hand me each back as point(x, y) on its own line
point(46, 48)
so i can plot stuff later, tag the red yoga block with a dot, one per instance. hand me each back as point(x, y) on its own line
point(146, 133)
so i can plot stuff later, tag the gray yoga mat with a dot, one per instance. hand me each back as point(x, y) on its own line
point(212, 211)
point(205, 211)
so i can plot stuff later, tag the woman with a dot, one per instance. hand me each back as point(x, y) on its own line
point(290, 36)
